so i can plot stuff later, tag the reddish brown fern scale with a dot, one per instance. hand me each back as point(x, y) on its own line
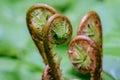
point(85, 50)
point(48, 29)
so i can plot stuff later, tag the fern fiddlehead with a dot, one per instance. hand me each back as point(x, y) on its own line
point(85, 50)
point(57, 31)
point(36, 18)
point(90, 26)
point(48, 29)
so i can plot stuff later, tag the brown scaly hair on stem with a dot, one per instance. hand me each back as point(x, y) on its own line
point(85, 50)
point(48, 29)
point(57, 31)
point(36, 18)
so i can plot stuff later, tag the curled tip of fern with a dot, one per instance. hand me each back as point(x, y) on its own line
point(58, 29)
point(82, 52)
point(37, 16)
point(85, 50)
point(90, 26)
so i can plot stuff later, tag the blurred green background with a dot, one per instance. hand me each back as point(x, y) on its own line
point(19, 58)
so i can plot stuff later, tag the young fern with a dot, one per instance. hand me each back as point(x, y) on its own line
point(56, 24)
point(85, 50)
point(36, 18)
point(48, 29)
point(90, 26)
point(58, 29)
